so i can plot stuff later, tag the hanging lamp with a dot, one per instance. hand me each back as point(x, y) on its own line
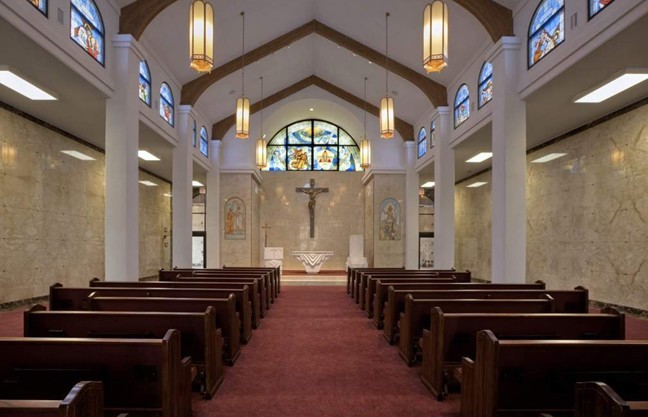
point(201, 36)
point(435, 36)
point(387, 103)
point(365, 145)
point(261, 152)
point(243, 103)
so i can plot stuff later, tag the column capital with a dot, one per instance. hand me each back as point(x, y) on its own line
point(410, 144)
point(442, 111)
point(505, 43)
point(184, 109)
point(129, 42)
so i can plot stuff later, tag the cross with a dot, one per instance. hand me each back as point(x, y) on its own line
point(266, 227)
point(312, 193)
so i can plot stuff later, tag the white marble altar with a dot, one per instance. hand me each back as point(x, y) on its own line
point(312, 259)
point(273, 257)
point(356, 257)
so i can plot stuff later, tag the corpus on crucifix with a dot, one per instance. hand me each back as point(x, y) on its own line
point(312, 192)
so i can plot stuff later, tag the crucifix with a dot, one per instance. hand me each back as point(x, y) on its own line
point(266, 227)
point(312, 193)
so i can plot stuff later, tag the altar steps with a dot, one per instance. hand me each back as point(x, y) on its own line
point(331, 277)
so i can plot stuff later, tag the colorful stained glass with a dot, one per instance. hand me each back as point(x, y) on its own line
point(276, 158)
point(299, 158)
point(166, 103)
point(485, 84)
point(350, 158)
point(144, 83)
point(194, 133)
point(422, 142)
point(300, 133)
point(204, 141)
point(596, 6)
point(41, 5)
point(462, 106)
point(547, 29)
point(325, 158)
point(279, 138)
point(346, 139)
point(86, 28)
point(432, 133)
point(325, 133)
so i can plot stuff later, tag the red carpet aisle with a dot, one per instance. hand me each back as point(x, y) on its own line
point(317, 355)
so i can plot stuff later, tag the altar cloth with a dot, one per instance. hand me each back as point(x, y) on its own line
point(312, 259)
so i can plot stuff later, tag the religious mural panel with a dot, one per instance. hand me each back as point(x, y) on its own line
point(426, 251)
point(234, 219)
point(86, 28)
point(389, 227)
point(299, 158)
point(326, 158)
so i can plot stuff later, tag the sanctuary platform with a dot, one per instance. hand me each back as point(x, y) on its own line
point(324, 278)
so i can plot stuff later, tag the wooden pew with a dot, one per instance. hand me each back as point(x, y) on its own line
point(417, 315)
point(351, 274)
point(143, 376)
point(453, 336)
point(226, 318)
point(530, 377)
point(85, 399)
point(368, 286)
point(380, 299)
point(565, 301)
point(253, 285)
point(276, 273)
point(200, 339)
point(597, 399)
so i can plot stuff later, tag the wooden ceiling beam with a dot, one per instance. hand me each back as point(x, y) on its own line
point(495, 18)
point(220, 128)
point(135, 17)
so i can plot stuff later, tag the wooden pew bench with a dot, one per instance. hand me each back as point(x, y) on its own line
point(417, 316)
point(453, 336)
point(352, 273)
point(254, 294)
point(565, 301)
point(382, 287)
point(200, 339)
point(530, 377)
point(275, 274)
point(146, 376)
point(85, 399)
point(226, 317)
point(371, 283)
point(77, 299)
point(358, 287)
point(598, 399)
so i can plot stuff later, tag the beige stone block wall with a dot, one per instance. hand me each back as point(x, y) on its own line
point(154, 226)
point(388, 253)
point(338, 214)
point(426, 219)
point(236, 252)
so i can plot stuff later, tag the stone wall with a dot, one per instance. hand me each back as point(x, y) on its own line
point(154, 226)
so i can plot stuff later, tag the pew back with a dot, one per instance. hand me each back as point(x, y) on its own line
point(85, 399)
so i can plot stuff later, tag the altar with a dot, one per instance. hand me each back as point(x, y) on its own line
point(312, 259)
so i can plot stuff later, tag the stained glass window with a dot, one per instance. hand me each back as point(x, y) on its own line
point(86, 28)
point(432, 133)
point(596, 6)
point(485, 84)
point(41, 5)
point(312, 145)
point(547, 29)
point(422, 142)
point(204, 142)
point(145, 83)
point(194, 134)
point(166, 103)
point(462, 106)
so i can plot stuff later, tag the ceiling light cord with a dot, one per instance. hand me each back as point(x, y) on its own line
point(365, 108)
point(261, 78)
point(387, 54)
point(243, 57)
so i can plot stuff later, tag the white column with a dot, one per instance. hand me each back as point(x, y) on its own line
point(509, 165)
point(182, 190)
point(411, 208)
point(122, 187)
point(444, 192)
point(212, 225)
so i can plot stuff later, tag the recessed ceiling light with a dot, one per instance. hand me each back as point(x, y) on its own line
point(147, 156)
point(354, 54)
point(167, 195)
point(370, 62)
point(148, 183)
point(480, 157)
point(11, 78)
point(79, 155)
point(619, 83)
point(197, 184)
point(311, 109)
point(429, 184)
point(476, 184)
point(548, 158)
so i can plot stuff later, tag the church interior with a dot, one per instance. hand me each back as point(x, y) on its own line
point(188, 188)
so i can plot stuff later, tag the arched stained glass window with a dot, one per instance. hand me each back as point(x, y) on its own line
point(485, 84)
point(422, 142)
point(596, 6)
point(547, 29)
point(87, 29)
point(194, 134)
point(312, 145)
point(145, 83)
point(462, 106)
point(432, 133)
point(41, 5)
point(166, 103)
point(204, 141)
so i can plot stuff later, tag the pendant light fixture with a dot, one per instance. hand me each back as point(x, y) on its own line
point(435, 36)
point(387, 103)
point(201, 36)
point(261, 155)
point(365, 145)
point(243, 103)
